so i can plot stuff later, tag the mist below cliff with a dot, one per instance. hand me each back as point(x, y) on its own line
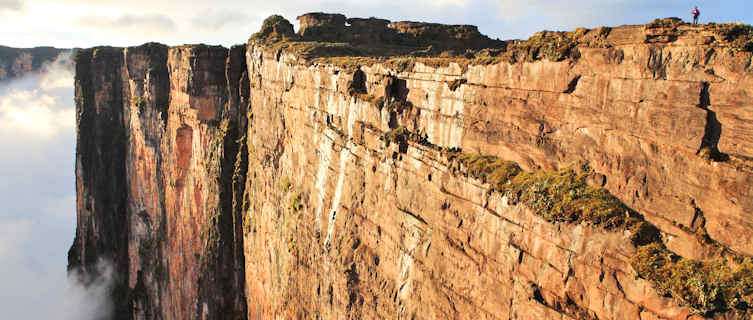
point(37, 136)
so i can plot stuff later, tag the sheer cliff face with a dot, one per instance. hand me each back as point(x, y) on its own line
point(157, 142)
point(253, 183)
point(16, 62)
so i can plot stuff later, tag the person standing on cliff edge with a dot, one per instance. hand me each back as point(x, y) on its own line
point(695, 13)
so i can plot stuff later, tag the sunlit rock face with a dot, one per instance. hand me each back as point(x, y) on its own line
point(255, 182)
point(17, 62)
point(157, 131)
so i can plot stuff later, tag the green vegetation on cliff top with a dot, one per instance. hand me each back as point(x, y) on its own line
point(704, 286)
point(278, 35)
point(555, 195)
point(564, 196)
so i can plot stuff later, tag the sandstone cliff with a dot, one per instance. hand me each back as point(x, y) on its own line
point(362, 168)
point(16, 62)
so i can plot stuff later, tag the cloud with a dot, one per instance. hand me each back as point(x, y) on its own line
point(41, 105)
point(11, 5)
point(85, 297)
point(215, 20)
point(37, 222)
point(58, 73)
point(34, 290)
point(152, 23)
point(33, 113)
point(568, 15)
point(460, 3)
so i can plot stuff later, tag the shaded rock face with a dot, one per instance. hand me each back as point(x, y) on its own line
point(16, 62)
point(158, 132)
point(248, 183)
point(275, 28)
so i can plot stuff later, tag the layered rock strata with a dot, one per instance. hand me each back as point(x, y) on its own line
point(261, 181)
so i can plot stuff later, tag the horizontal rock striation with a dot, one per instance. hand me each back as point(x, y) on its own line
point(312, 175)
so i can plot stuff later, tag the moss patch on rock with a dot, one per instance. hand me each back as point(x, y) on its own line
point(563, 195)
point(488, 169)
point(557, 196)
point(704, 286)
point(295, 202)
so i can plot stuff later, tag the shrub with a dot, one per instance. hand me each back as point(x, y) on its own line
point(564, 196)
point(399, 135)
point(295, 202)
point(489, 169)
point(285, 184)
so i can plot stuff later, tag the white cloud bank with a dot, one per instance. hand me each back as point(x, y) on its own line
point(39, 106)
point(37, 222)
point(143, 24)
point(11, 5)
point(33, 113)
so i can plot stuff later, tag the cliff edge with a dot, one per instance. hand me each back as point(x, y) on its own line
point(17, 62)
point(362, 168)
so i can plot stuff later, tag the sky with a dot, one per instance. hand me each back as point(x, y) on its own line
point(37, 219)
point(87, 23)
point(37, 114)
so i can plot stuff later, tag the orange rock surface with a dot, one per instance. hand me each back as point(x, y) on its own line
point(253, 182)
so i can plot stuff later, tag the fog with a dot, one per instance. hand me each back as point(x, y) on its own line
point(37, 191)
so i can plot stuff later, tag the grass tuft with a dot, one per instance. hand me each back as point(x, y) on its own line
point(557, 196)
point(286, 184)
point(564, 196)
point(704, 286)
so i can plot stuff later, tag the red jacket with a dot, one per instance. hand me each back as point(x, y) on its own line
point(696, 12)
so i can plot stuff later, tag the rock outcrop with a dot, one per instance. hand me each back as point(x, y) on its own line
point(16, 62)
point(325, 27)
point(157, 131)
point(368, 169)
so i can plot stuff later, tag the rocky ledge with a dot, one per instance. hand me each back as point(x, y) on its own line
point(362, 168)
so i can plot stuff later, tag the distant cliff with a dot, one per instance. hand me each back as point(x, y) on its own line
point(16, 62)
point(363, 168)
